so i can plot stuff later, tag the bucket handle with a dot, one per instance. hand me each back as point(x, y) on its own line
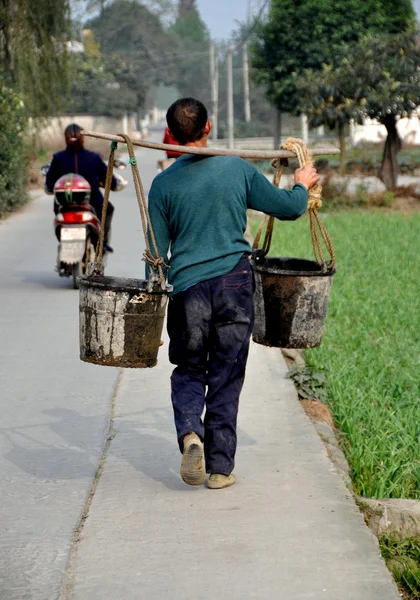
point(152, 258)
point(314, 203)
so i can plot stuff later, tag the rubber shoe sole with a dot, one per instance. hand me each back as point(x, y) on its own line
point(192, 466)
point(218, 482)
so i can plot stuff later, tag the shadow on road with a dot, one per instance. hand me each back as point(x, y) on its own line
point(49, 280)
point(35, 449)
point(147, 443)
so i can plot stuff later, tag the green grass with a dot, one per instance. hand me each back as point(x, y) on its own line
point(403, 560)
point(371, 346)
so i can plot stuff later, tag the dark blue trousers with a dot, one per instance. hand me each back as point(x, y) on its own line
point(209, 326)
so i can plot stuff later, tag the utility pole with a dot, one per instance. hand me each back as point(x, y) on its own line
point(245, 72)
point(305, 128)
point(277, 129)
point(230, 96)
point(214, 85)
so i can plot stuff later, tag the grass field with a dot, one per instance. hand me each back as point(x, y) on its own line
point(371, 347)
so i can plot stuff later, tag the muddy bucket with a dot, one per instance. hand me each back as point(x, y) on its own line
point(291, 301)
point(120, 321)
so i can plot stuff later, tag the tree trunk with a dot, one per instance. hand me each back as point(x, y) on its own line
point(140, 112)
point(7, 57)
point(277, 129)
point(138, 117)
point(342, 142)
point(389, 167)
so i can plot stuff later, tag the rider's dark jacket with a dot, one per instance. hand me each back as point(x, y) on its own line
point(87, 164)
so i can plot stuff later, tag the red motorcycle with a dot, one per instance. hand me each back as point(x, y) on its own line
point(76, 224)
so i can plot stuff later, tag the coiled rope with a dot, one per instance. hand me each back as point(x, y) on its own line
point(304, 156)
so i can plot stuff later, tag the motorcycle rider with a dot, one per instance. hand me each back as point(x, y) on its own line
point(76, 159)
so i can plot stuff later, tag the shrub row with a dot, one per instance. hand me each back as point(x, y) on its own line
point(13, 155)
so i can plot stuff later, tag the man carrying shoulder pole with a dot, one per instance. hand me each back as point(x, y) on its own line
point(198, 211)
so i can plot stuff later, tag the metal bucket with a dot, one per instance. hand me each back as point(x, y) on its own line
point(120, 321)
point(291, 301)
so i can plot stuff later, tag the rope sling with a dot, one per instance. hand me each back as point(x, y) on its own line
point(152, 258)
point(317, 227)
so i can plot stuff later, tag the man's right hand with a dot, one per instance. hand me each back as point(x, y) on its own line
point(308, 176)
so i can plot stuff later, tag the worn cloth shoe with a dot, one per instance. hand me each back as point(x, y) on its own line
point(217, 481)
point(192, 466)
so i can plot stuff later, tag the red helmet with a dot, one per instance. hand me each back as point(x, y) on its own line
point(72, 189)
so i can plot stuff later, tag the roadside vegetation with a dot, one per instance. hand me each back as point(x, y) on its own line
point(12, 150)
point(403, 560)
point(33, 67)
point(370, 350)
point(370, 356)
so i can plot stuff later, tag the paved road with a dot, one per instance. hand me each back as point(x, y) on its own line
point(54, 408)
point(288, 529)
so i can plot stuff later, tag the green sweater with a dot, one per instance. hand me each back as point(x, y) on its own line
point(198, 211)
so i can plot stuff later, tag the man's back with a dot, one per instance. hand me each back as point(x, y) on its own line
point(198, 206)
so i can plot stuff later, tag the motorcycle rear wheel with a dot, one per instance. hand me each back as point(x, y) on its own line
point(77, 271)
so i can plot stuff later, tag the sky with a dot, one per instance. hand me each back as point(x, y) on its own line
point(220, 15)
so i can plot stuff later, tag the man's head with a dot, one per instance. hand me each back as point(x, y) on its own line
point(187, 119)
point(74, 137)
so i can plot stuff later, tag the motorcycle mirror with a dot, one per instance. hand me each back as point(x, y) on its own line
point(44, 169)
point(119, 164)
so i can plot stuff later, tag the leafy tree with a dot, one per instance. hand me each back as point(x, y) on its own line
point(162, 8)
point(13, 122)
point(305, 35)
point(33, 54)
point(387, 68)
point(94, 89)
point(378, 78)
point(302, 35)
point(330, 98)
point(400, 15)
point(189, 64)
point(33, 66)
point(97, 5)
point(133, 46)
point(186, 7)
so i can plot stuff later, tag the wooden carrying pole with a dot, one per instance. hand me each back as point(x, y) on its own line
point(250, 154)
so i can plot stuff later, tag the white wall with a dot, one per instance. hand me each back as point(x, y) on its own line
point(372, 131)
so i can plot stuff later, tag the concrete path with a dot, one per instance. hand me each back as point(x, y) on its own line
point(54, 409)
point(288, 529)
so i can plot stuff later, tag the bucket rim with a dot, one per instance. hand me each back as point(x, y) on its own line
point(119, 284)
point(262, 266)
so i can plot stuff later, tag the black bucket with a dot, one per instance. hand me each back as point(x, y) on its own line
point(291, 301)
point(120, 321)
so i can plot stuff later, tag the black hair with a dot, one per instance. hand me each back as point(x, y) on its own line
point(187, 120)
point(72, 130)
